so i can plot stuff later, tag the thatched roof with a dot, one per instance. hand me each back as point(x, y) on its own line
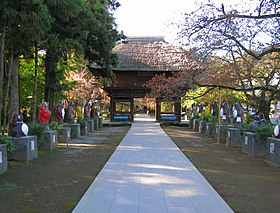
point(150, 54)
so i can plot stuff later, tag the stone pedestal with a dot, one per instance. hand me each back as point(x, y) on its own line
point(3, 158)
point(49, 141)
point(26, 148)
point(100, 122)
point(96, 125)
point(64, 135)
point(251, 145)
point(202, 126)
point(75, 130)
point(273, 151)
point(234, 138)
point(84, 130)
point(223, 133)
point(196, 124)
point(191, 123)
point(210, 130)
point(90, 126)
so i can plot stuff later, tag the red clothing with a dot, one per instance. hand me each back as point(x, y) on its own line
point(58, 114)
point(44, 115)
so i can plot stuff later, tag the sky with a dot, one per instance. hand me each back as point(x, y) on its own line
point(153, 17)
point(149, 17)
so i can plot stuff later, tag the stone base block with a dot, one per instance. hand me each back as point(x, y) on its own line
point(202, 126)
point(64, 135)
point(3, 158)
point(96, 125)
point(252, 146)
point(234, 138)
point(191, 123)
point(75, 130)
point(196, 124)
point(49, 141)
point(210, 130)
point(223, 133)
point(84, 130)
point(100, 122)
point(90, 126)
point(26, 148)
point(273, 151)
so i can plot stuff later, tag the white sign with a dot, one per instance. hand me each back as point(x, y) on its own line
point(271, 148)
point(228, 134)
point(1, 157)
point(53, 138)
point(68, 134)
point(32, 145)
point(246, 140)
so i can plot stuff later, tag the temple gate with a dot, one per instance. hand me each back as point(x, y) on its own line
point(140, 59)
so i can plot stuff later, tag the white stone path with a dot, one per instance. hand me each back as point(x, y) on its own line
point(147, 173)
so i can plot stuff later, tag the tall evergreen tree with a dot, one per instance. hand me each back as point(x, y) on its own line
point(22, 24)
point(87, 27)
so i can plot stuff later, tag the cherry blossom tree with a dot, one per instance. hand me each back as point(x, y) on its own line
point(245, 38)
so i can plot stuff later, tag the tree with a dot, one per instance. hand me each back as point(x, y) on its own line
point(22, 23)
point(166, 88)
point(62, 37)
point(57, 28)
point(80, 26)
point(27, 69)
point(212, 29)
point(246, 38)
point(3, 23)
point(85, 85)
point(102, 37)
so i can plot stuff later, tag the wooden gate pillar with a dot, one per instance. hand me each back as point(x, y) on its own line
point(112, 108)
point(177, 110)
point(132, 109)
point(158, 110)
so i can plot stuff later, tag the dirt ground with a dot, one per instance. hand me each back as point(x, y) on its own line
point(246, 183)
point(54, 182)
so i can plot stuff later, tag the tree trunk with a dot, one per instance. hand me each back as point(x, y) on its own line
point(14, 88)
point(35, 85)
point(2, 47)
point(50, 81)
point(7, 118)
point(264, 105)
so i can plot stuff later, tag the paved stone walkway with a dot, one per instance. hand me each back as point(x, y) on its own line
point(149, 174)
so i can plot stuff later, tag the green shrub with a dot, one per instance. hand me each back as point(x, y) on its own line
point(213, 120)
point(263, 131)
point(83, 123)
point(38, 130)
point(225, 125)
point(205, 117)
point(55, 126)
point(74, 131)
point(195, 115)
point(8, 141)
point(244, 128)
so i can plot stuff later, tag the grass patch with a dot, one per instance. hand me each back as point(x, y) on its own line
point(115, 124)
point(8, 186)
point(47, 153)
point(174, 123)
